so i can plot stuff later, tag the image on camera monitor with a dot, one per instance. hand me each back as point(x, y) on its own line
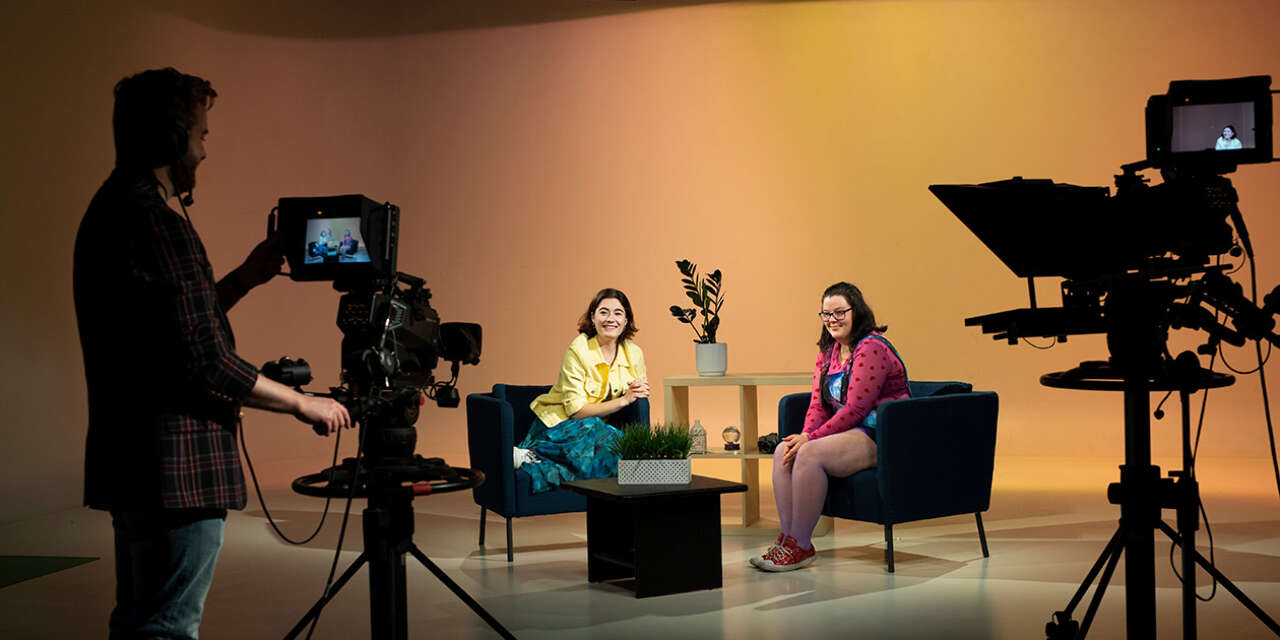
point(334, 241)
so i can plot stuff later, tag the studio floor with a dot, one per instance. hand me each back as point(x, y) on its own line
point(1042, 544)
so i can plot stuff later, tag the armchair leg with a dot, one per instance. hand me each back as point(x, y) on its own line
point(888, 549)
point(510, 557)
point(482, 513)
point(982, 535)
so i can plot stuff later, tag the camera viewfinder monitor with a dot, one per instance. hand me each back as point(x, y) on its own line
point(1213, 123)
point(347, 238)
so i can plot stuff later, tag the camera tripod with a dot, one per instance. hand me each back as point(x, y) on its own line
point(388, 536)
point(1142, 494)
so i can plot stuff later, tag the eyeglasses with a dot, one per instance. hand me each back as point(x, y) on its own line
point(837, 315)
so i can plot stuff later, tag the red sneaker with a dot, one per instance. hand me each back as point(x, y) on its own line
point(767, 556)
point(791, 557)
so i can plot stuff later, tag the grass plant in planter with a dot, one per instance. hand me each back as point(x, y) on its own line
point(657, 455)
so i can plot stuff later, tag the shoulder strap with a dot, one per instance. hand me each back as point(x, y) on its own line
point(891, 350)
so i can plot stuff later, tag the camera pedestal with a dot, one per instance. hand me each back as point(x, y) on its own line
point(1142, 494)
point(388, 536)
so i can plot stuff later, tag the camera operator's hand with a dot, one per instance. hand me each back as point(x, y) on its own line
point(325, 415)
point(263, 263)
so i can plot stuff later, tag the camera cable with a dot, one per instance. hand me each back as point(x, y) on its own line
point(342, 533)
point(257, 486)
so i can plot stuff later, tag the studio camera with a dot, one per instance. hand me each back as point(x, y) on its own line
point(392, 339)
point(1135, 265)
point(1145, 247)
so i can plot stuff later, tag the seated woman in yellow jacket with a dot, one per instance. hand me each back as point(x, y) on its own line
point(601, 375)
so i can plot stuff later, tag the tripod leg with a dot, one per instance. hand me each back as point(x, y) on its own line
point(1112, 550)
point(314, 611)
point(1227, 584)
point(453, 586)
point(482, 512)
point(1087, 621)
point(510, 557)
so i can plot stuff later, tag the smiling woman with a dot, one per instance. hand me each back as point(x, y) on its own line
point(602, 375)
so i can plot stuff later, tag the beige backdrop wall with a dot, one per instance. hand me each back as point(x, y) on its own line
point(539, 154)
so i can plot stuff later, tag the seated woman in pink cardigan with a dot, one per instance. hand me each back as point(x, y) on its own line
point(857, 370)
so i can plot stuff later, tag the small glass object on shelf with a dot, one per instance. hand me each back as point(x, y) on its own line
point(698, 434)
point(732, 436)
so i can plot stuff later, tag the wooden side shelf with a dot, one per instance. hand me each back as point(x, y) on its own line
point(676, 396)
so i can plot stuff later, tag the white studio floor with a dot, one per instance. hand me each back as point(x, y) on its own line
point(1042, 544)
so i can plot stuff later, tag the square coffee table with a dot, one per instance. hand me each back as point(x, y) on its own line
point(665, 536)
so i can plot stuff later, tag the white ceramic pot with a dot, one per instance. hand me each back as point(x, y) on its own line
point(655, 471)
point(712, 359)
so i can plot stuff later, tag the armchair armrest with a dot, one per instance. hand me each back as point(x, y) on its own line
point(490, 439)
point(936, 454)
point(791, 410)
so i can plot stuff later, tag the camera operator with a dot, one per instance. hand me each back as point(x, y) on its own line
point(165, 385)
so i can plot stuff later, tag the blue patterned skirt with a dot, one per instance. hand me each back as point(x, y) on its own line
point(572, 450)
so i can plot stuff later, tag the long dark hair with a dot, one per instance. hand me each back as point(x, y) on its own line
point(863, 321)
point(585, 325)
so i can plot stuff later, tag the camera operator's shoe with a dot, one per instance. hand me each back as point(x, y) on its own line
point(790, 557)
point(776, 547)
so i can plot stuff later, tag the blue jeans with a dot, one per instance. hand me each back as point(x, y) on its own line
point(164, 566)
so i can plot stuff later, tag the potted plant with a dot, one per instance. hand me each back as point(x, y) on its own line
point(712, 357)
point(658, 455)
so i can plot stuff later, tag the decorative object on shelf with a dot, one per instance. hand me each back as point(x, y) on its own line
point(657, 455)
point(767, 443)
point(732, 436)
point(698, 437)
point(712, 357)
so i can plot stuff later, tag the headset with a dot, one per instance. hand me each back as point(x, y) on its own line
point(153, 120)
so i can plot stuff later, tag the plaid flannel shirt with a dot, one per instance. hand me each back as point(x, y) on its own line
point(164, 382)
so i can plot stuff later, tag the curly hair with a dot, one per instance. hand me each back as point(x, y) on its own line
point(153, 111)
point(586, 326)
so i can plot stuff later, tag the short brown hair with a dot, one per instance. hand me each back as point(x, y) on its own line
point(153, 112)
point(586, 326)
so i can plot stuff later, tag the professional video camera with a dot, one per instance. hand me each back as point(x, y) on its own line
point(392, 341)
point(392, 338)
point(1134, 266)
point(1137, 250)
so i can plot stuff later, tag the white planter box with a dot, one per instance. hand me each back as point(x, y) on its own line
point(655, 471)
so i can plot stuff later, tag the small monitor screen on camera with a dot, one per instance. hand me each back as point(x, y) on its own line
point(1226, 126)
point(334, 241)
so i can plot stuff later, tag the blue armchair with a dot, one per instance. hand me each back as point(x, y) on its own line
point(496, 422)
point(936, 455)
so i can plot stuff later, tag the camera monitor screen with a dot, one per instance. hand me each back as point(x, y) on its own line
point(347, 239)
point(1211, 124)
point(1213, 127)
point(335, 240)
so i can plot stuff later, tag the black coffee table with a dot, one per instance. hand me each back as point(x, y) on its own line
point(667, 537)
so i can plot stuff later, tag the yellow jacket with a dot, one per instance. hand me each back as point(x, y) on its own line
point(585, 378)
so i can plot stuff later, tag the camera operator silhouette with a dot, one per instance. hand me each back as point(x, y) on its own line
point(165, 385)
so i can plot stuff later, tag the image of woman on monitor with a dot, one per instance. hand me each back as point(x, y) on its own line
point(1228, 139)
